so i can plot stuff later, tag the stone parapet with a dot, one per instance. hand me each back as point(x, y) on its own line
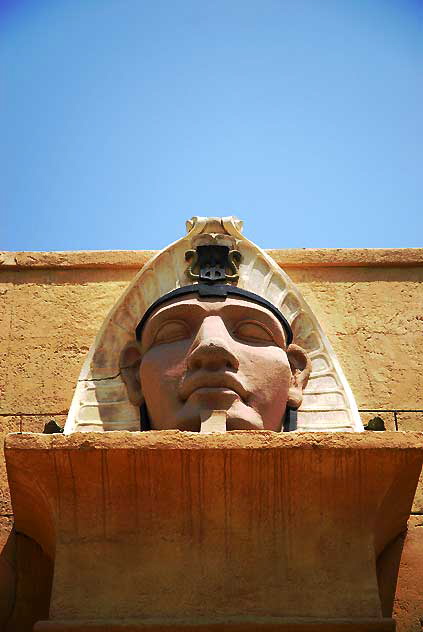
point(171, 526)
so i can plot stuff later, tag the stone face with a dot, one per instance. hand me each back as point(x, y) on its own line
point(194, 527)
point(195, 357)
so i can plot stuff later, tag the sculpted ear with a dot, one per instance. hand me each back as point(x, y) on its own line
point(130, 360)
point(300, 371)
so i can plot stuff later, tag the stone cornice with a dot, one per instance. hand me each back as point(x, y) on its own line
point(182, 528)
point(286, 258)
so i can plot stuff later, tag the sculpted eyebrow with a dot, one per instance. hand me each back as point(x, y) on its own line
point(172, 312)
point(238, 310)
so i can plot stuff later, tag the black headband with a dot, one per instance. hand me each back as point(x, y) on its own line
point(216, 291)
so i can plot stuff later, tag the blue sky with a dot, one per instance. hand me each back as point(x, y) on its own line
point(119, 119)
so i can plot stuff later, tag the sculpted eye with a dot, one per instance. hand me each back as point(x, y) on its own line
point(253, 331)
point(171, 331)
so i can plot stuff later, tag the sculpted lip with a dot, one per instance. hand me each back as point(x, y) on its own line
point(211, 379)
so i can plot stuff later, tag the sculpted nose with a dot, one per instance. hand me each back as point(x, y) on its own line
point(213, 354)
point(212, 348)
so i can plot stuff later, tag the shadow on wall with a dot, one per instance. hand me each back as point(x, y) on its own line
point(7, 576)
point(387, 567)
point(26, 573)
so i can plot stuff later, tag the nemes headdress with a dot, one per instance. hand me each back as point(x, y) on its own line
point(212, 259)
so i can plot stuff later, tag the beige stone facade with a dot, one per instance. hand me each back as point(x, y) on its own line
point(369, 303)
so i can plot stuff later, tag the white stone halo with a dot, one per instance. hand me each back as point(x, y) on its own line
point(100, 402)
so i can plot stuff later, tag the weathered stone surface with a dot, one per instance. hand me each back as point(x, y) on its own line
point(6, 303)
point(7, 424)
point(56, 302)
point(410, 422)
point(16, 423)
point(188, 525)
point(408, 607)
point(53, 320)
point(43, 374)
point(374, 320)
point(351, 257)
point(76, 259)
point(231, 440)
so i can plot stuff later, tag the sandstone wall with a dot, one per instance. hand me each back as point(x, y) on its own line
point(368, 301)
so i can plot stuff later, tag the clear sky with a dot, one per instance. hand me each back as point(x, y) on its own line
point(119, 119)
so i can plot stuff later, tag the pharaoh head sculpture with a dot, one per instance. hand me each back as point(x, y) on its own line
point(211, 323)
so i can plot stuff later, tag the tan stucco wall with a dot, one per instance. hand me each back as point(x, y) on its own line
point(369, 302)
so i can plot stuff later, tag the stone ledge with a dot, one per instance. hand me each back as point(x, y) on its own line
point(286, 258)
point(234, 439)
